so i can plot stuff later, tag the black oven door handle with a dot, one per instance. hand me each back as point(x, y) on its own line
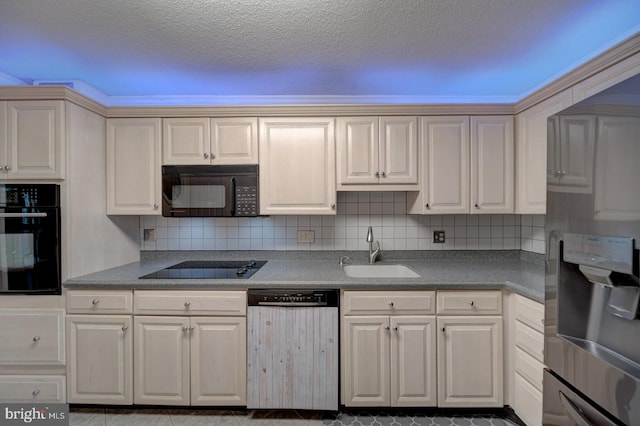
point(233, 196)
point(10, 215)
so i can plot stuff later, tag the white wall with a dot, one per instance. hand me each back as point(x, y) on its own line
point(91, 240)
point(384, 211)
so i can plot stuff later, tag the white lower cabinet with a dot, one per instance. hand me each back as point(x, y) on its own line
point(528, 358)
point(100, 359)
point(32, 355)
point(470, 361)
point(190, 347)
point(389, 360)
point(190, 360)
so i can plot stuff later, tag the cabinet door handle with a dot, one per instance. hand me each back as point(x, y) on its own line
point(384, 174)
point(333, 206)
point(391, 304)
point(395, 329)
point(477, 206)
point(7, 168)
point(36, 338)
point(472, 303)
point(185, 329)
point(213, 156)
point(125, 328)
point(387, 328)
point(35, 392)
point(187, 304)
point(427, 206)
point(156, 206)
point(205, 155)
point(377, 174)
point(95, 301)
point(443, 329)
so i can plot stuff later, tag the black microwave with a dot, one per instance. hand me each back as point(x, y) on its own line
point(210, 191)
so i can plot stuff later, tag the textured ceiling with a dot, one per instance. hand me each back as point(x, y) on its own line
point(413, 50)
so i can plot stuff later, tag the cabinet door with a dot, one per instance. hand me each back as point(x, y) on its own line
point(445, 162)
point(219, 361)
point(574, 155)
point(99, 369)
point(133, 166)
point(297, 166)
point(616, 166)
point(492, 164)
point(398, 150)
point(413, 361)
point(357, 150)
point(234, 141)
point(36, 140)
point(470, 362)
point(366, 362)
point(186, 140)
point(161, 362)
point(531, 153)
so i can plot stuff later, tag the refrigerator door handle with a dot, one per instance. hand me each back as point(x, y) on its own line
point(574, 411)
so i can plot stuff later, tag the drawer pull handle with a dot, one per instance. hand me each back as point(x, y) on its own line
point(35, 392)
point(186, 304)
point(36, 338)
point(95, 301)
point(391, 304)
point(124, 328)
point(472, 303)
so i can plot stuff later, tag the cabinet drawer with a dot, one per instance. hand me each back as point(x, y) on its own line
point(32, 337)
point(99, 302)
point(529, 368)
point(32, 389)
point(530, 312)
point(527, 401)
point(229, 303)
point(470, 302)
point(530, 341)
point(388, 302)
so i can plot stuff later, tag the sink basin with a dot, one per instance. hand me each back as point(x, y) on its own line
point(379, 271)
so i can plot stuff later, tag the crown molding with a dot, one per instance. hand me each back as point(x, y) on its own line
point(40, 93)
point(610, 57)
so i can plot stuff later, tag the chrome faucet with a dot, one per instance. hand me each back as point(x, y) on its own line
point(373, 254)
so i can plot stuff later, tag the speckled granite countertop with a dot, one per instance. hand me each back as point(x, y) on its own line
point(520, 272)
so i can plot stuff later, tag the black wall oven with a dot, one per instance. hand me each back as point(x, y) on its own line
point(30, 239)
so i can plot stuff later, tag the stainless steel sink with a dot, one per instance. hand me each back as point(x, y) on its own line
point(379, 271)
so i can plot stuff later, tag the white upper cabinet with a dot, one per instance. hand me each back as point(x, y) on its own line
point(531, 153)
point(133, 166)
point(444, 144)
point(210, 140)
point(570, 150)
point(297, 166)
point(492, 164)
point(377, 151)
point(33, 146)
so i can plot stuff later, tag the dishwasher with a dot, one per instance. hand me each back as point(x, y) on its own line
point(292, 349)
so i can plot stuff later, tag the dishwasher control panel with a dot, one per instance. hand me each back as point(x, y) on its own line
point(293, 298)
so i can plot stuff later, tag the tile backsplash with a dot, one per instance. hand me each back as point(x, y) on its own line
point(384, 211)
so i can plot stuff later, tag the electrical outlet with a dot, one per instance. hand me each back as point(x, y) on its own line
point(150, 234)
point(307, 236)
point(438, 237)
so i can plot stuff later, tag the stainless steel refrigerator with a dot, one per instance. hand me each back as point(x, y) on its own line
point(592, 324)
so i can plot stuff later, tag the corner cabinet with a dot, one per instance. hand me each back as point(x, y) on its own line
point(388, 349)
point(134, 185)
point(33, 146)
point(214, 141)
point(297, 166)
point(531, 153)
point(377, 153)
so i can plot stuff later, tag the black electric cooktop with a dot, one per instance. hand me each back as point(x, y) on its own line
point(208, 269)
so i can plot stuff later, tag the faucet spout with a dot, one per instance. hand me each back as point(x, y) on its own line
point(373, 254)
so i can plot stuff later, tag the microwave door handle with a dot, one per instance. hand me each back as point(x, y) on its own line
point(233, 196)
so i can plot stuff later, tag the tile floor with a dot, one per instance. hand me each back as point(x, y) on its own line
point(187, 417)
